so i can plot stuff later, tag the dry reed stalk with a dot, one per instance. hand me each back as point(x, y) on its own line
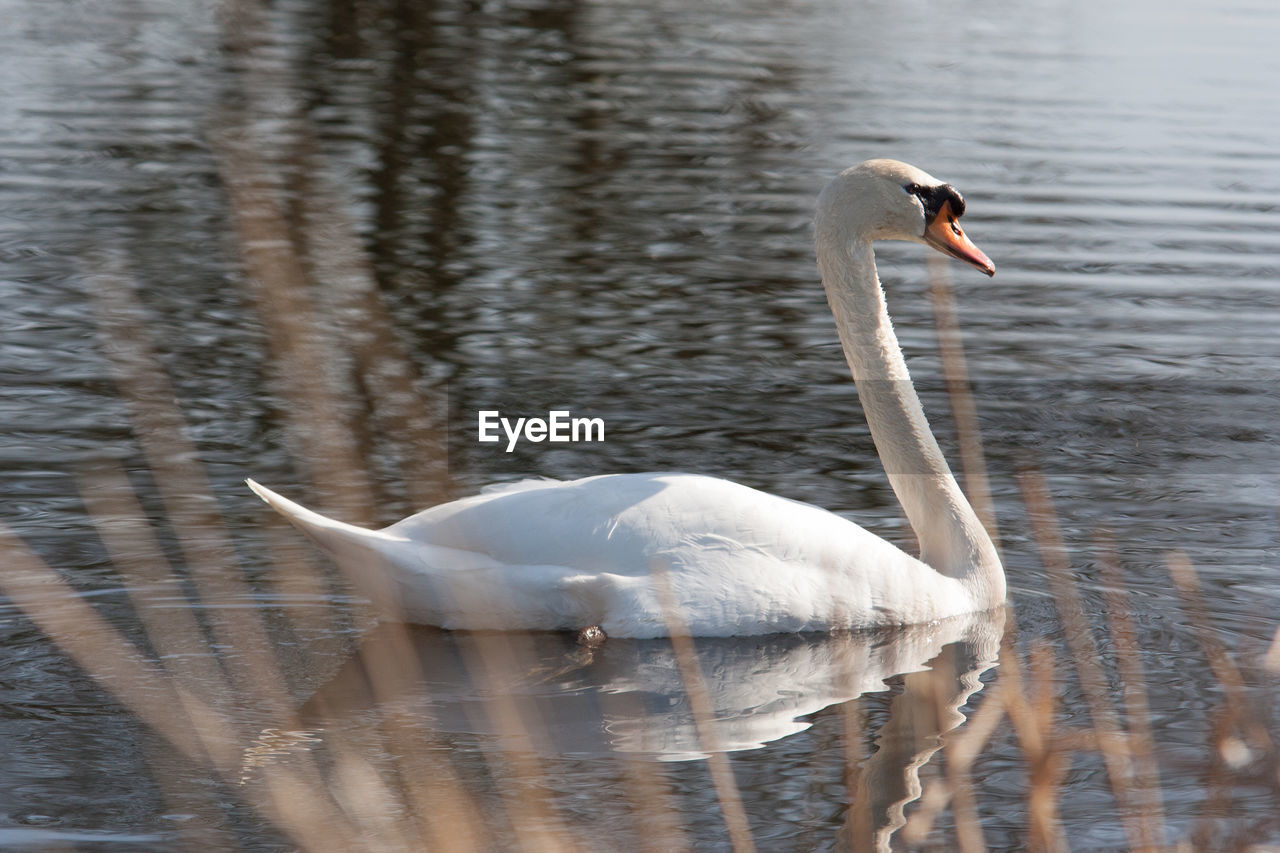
point(695, 687)
point(1238, 733)
point(414, 804)
point(307, 814)
point(1224, 669)
point(978, 489)
point(387, 375)
point(1149, 809)
point(312, 234)
point(197, 731)
point(425, 795)
point(918, 718)
point(368, 802)
point(174, 631)
point(955, 789)
point(294, 578)
point(137, 684)
point(960, 751)
point(206, 825)
point(161, 700)
point(652, 807)
point(1113, 742)
point(885, 783)
point(430, 794)
point(1027, 712)
point(654, 812)
point(1272, 658)
point(190, 666)
point(960, 757)
point(173, 460)
point(305, 357)
point(1217, 782)
point(859, 828)
point(446, 815)
point(1049, 761)
point(538, 827)
point(161, 431)
point(956, 373)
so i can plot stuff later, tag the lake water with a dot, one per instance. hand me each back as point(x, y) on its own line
point(605, 207)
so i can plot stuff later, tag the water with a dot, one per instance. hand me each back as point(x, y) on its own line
point(605, 207)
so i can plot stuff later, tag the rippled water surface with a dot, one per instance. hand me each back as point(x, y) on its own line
point(605, 207)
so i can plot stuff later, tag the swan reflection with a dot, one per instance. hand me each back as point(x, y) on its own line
point(927, 707)
point(626, 696)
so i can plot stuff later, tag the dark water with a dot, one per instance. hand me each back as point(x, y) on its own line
point(605, 207)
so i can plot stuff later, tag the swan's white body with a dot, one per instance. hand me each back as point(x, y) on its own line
point(548, 555)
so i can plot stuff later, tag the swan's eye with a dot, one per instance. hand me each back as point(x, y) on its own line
point(911, 189)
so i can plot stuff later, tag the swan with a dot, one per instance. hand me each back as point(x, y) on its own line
point(613, 550)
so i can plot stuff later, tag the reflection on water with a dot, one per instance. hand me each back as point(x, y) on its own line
point(604, 206)
point(627, 696)
point(501, 695)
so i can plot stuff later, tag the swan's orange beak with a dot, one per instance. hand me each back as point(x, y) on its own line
point(945, 234)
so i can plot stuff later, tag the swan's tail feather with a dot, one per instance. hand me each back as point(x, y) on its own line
point(407, 579)
point(345, 542)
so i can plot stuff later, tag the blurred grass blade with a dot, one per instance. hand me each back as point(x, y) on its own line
point(735, 816)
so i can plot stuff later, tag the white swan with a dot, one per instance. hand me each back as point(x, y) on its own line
point(549, 555)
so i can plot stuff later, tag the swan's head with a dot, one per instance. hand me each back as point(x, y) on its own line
point(889, 200)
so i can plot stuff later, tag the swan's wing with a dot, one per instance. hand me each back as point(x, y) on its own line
point(739, 561)
point(619, 523)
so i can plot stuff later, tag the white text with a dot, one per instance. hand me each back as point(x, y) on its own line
point(559, 426)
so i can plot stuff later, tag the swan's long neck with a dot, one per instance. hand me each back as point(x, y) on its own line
point(952, 540)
